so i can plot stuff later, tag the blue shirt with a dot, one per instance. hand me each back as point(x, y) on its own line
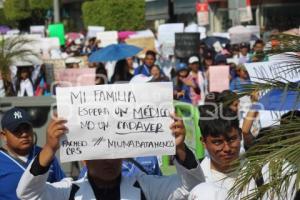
point(11, 171)
point(143, 69)
point(237, 84)
point(187, 93)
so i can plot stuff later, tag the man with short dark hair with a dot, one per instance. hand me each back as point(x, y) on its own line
point(221, 137)
point(17, 151)
point(258, 54)
point(149, 61)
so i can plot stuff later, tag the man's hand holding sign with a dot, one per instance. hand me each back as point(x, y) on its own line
point(120, 138)
point(102, 125)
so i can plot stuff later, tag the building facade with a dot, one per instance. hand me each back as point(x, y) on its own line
point(268, 14)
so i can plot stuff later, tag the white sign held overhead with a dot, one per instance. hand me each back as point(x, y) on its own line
point(107, 37)
point(167, 31)
point(239, 34)
point(38, 30)
point(116, 121)
point(166, 37)
point(50, 43)
point(255, 30)
point(93, 30)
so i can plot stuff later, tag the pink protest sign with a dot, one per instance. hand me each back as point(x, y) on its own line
point(76, 77)
point(218, 78)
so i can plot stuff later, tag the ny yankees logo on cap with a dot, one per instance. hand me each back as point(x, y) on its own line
point(18, 115)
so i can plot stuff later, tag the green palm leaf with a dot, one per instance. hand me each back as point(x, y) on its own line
point(12, 49)
point(278, 147)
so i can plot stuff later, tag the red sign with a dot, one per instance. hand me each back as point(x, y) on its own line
point(202, 13)
point(202, 7)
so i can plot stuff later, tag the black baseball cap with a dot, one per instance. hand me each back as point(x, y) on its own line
point(13, 118)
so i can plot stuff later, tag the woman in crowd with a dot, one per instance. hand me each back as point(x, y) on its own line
point(121, 72)
point(157, 74)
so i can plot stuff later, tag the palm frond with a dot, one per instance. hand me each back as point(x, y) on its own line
point(284, 43)
point(15, 48)
point(275, 155)
point(278, 151)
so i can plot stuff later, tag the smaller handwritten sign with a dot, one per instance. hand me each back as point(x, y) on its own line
point(116, 121)
point(218, 78)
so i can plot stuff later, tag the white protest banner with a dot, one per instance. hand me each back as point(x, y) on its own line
point(218, 78)
point(166, 32)
point(239, 34)
point(202, 31)
point(38, 30)
point(93, 30)
point(107, 38)
point(255, 30)
point(261, 72)
point(116, 121)
point(270, 118)
point(49, 43)
point(13, 32)
point(287, 56)
point(166, 37)
point(221, 34)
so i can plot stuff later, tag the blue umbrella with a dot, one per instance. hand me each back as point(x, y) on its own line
point(280, 100)
point(114, 52)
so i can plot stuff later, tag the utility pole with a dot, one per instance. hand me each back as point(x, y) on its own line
point(56, 11)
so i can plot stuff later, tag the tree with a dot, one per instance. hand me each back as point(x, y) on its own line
point(115, 14)
point(40, 4)
point(4, 20)
point(16, 10)
point(279, 147)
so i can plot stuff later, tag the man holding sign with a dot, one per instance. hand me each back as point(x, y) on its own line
point(104, 179)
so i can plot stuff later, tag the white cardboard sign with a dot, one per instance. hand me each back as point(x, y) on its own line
point(116, 121)
point(107, 38)
point(275, 70)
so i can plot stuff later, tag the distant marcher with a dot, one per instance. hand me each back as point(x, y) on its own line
point(258, 54)
point(181, 90)
point(157, 74)
point(101, 74)
point(242, 79)
point(72, 63)
point(25, 80)
point(149, 61)
point(193, 79)
point(244, 55)
point(121, 72)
